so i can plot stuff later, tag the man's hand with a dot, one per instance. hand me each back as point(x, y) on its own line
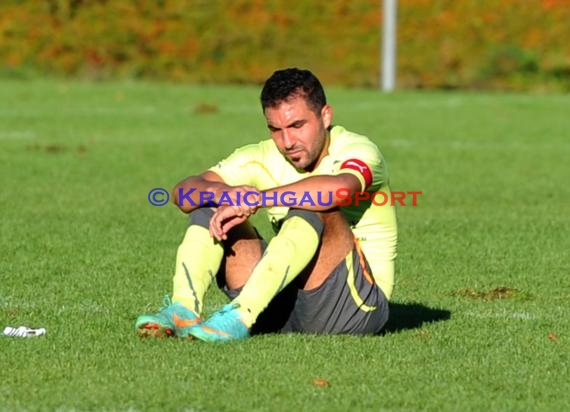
point(227, 217)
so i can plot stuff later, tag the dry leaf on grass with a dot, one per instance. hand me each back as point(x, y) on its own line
point(321, 382)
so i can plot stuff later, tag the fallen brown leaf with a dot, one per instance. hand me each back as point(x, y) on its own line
point(553, 337)
point(321, 382)
point(206, 108)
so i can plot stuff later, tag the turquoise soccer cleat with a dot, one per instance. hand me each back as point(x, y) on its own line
point(223, 325)
point(172, 319)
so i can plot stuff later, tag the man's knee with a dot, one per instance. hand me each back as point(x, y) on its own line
point(330, 221)
point(201, 217)
point(312, 218)
point(244, 231)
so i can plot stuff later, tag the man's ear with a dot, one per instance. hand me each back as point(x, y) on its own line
point(326, 115)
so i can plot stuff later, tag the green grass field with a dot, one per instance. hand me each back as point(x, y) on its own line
point(480, 315)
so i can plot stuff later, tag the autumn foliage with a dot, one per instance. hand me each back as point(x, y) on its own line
point(507, 44)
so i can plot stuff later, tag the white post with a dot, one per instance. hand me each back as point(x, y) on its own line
point(389, 45)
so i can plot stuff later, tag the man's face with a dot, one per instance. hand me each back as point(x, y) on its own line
point(298, 132)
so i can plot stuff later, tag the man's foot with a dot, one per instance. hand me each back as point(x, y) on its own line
point(172, 319)
point(225, 324)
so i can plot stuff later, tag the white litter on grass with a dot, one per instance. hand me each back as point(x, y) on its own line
point(23, 332)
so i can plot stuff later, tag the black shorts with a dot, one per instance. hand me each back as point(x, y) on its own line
point(348, 302)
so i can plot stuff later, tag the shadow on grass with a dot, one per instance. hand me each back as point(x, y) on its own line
point(412, 316)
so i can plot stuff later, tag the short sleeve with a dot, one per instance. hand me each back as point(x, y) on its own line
point(363, 160)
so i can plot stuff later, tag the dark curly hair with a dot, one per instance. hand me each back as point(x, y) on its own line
point(287, 83)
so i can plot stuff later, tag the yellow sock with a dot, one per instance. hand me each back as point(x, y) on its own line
point(288, 253)
point(197, 262)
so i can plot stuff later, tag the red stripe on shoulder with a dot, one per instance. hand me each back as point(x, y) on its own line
point(360, 167)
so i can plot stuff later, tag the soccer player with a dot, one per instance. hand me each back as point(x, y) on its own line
point(330, 266)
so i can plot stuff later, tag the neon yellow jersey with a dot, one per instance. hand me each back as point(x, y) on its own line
point(262, 166)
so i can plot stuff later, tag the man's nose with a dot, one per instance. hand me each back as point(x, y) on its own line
point(287, 139)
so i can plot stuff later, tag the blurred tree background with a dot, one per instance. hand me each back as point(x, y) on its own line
point(472, 44)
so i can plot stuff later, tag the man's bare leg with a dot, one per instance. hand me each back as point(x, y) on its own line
point(243, 250)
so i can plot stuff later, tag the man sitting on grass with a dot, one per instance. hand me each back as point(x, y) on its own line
point(330, 266)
